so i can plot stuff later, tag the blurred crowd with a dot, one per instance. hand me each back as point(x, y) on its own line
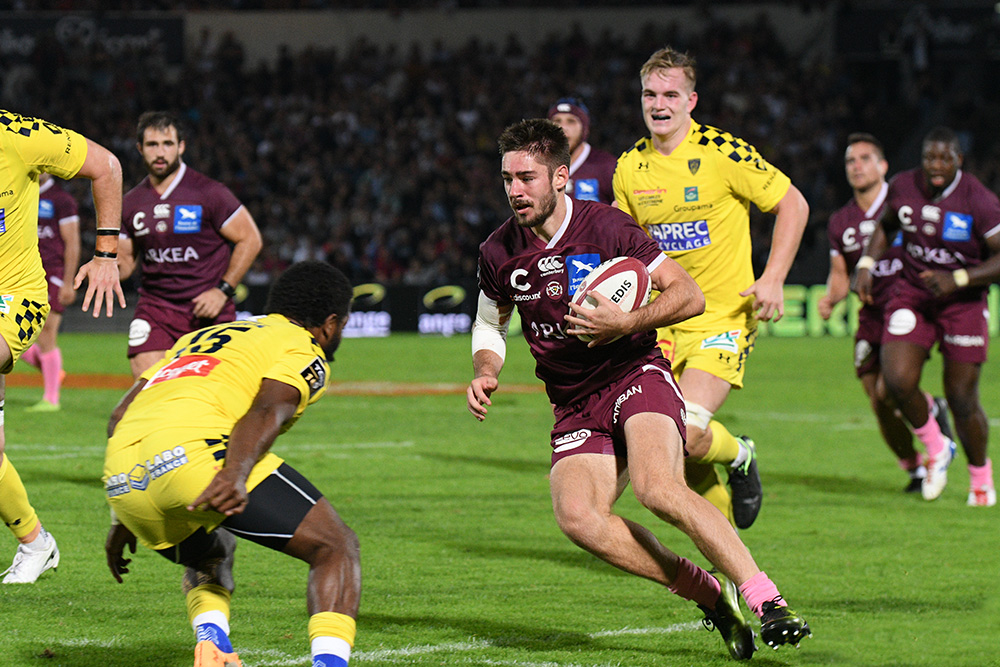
point(384, 161)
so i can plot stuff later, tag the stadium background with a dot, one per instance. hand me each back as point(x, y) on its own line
point(365, 134)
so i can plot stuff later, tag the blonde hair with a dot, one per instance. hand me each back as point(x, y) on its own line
point(667, 58)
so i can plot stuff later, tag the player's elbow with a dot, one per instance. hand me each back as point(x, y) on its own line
point(696, 302)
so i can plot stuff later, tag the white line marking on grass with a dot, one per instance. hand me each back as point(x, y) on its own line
point(399, 655)
point(677, 627)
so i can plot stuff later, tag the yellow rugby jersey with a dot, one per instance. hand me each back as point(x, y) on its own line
point(209, 379)
point(29, 146)
point(695, 203)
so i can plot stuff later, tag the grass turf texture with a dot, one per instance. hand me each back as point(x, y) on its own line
point(462, 561)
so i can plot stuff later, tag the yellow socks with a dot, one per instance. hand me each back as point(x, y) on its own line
point(15, 510)
point(331, 637)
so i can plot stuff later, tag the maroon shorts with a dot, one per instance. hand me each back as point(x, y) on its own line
point(596, 425)
point(960, 328)
point(54, 287)
point(158, 324)
point(868, 340)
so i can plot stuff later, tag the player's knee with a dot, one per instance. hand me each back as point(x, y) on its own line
point(663, 497)
point(579, 521)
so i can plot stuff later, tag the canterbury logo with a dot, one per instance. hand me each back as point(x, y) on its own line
point(548, 264)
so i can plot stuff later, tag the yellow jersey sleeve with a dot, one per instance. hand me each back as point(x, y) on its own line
point(44, 146)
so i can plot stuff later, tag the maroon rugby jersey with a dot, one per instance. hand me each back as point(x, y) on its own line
point(849, 230)
point(516, 267)
point(55, 207)
point(177, 235)
point(591, 175)
point(946, 233)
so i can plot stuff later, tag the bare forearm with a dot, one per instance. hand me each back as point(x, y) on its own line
point(486, 363)
point(789, 224)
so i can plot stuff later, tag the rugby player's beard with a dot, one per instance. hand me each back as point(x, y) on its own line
point(169, 169)
point(546, 206)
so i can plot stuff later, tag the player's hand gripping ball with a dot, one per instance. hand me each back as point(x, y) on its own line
point(624, 280)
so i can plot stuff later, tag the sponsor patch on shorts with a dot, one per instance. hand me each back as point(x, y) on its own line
point(723, 341)
point(571, 440)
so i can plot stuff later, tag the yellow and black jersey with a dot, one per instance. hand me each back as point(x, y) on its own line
point(29, 146)
point(695, 203)
point(209, 379)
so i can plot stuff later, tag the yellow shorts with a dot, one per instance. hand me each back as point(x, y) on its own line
point(21, 321)
point(150, 483)
point(722, 352)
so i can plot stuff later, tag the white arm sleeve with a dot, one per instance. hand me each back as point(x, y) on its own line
point(489, 331)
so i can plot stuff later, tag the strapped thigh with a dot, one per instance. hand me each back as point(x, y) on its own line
point(275, 509)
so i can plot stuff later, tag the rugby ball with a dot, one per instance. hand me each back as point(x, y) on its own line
point(624, 280)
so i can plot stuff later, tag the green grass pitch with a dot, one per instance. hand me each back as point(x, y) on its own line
point(463, 563)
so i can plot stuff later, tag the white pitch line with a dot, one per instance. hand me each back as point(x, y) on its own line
point(388, 655)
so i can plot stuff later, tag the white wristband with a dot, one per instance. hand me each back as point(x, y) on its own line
point(961, 277)
point(866, 262)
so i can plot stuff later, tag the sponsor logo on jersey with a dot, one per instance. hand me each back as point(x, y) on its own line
point(887, 267)
point(579, 266)
point(642, 166)
point(517, 280)
point(534, 296)
point(931, 255)
point(929, 229)
point(550, 265)
point(46, 209)
point(723, 341)
point(161, 211)
point(571, 440)
point(932, 213)
point(315, 376)
point(898, 241)
point(691, 193)
point(5, 300)
point(957, 227)
point(586, 189)
point(554, 290)
point(3, 221)
point(187, 219)
point(161, 227)
point(172, 255)
point(192, 365)
point(627, 394)
point(138, 477)
point(694, 165)
point(681, 236)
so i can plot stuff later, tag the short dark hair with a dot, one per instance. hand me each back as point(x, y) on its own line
point(944, 134)
point(865, 137)
point(159, 120)
point(540, 138)
point(309, 292)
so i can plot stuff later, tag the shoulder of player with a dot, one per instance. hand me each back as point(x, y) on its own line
point(634, 151)
point(717, 143)
point(598, 212)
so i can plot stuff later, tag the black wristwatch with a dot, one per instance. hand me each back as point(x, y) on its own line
point(227, 289)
